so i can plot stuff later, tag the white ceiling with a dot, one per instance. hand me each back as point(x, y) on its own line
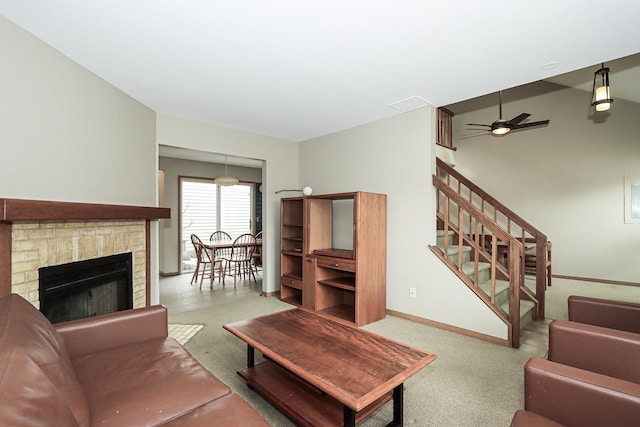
point(301, 69)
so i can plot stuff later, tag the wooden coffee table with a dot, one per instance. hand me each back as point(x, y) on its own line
point(318, 371)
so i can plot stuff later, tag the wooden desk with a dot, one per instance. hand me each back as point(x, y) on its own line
point(322, 372)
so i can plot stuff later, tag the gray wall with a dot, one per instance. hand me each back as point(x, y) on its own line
point(66, 134)
point(566, 179)
point(169, 229)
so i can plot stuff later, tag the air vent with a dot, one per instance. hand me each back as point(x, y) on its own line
point(409, 104)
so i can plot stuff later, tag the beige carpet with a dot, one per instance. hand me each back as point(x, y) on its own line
point(472, 383)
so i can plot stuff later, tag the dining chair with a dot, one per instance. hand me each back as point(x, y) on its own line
point(256, 258)
point(238, 263)
point(203, 259)
point(219, 254)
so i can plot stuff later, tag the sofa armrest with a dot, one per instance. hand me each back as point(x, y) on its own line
point(624, 316)
point(594, 348)
point(112, 330)
point(572, 396)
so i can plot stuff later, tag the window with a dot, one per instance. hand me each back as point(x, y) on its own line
point(206, 207)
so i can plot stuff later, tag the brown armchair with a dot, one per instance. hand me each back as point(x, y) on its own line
point(561, 395)
point(606, 351)
point(592, 378)
point(624, 316)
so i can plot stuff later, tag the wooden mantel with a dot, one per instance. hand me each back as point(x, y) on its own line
point(41, 210)
point(14, 210)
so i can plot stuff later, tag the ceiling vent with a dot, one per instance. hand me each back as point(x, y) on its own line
point(409, 104)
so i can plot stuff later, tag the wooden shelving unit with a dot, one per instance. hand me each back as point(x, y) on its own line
point(327, 264)
point(292, 239)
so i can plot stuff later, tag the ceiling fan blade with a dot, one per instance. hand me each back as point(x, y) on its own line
point(477, 124)
point(528, 125)
point(519, 118)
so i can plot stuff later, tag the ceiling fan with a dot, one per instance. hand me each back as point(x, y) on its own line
point(502, 126)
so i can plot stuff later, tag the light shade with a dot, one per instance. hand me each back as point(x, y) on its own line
point(307, 191)
point(601, 92)
point(226, 180)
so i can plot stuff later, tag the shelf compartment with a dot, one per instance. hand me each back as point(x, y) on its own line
point(336, 301)
point(291, 265)
point(342, 311)
point(342, 282)
point(290, 295)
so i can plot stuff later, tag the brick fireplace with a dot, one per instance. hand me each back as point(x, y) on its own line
point(36, 234)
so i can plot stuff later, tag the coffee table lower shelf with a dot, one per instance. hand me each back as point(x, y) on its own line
point(298, 400)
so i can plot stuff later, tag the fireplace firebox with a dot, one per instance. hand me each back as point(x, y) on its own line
point(86, 288)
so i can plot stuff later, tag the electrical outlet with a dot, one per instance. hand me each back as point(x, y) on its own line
point(412, 293)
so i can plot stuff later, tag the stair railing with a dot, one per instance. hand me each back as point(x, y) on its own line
point(509, 221)
point(469, 226)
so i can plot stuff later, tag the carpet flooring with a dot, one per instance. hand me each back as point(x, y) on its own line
point(472, 383)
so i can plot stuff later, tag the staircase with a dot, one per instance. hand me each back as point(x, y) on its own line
point(527, 308)
point(485, 244)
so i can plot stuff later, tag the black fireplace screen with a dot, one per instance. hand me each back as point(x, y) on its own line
point(86, 288)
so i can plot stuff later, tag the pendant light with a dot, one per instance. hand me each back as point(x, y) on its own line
point(601, 95)
point(226, 180)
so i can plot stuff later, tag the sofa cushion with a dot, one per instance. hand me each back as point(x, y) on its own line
point(530, 419)
point(145, 383)
point(28, 397)
point(24, 328)
point(227, 411)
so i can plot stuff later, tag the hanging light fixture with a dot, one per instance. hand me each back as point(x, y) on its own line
point(601, 95)
point(226, 180)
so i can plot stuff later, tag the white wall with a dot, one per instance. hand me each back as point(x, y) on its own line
point(566, 179)
point(67, 135)
point(170, 228)
point(280, 170)
point(394, 156)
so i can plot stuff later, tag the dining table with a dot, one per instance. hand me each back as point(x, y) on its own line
point(217, 245)
point(214, 245)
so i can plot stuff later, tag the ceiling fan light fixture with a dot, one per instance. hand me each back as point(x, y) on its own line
point(500, 127)
point(601, 95)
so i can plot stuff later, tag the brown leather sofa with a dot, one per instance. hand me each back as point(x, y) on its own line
point(592, 378)
point(624, 316)
point(119, 369)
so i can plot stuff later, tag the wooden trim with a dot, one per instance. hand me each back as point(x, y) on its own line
point(41, 210)
point(147, 273)
point(590, 279)
point(170, 274)
point(5, 259)
point(449, 328)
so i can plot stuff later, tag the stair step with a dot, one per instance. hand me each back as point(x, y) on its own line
point(453, 250)
point(440, 234)
point(502, 290)
point(526, 311)
point(484, 272)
